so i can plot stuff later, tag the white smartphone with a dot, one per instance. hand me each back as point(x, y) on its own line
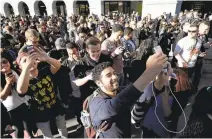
point(158, 49)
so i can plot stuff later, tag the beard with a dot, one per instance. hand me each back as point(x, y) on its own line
point(115, 85)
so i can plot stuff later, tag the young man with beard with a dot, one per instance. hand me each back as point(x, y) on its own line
point(38, 83)
point(86, 64)
point(111, 106)
point(203, 32)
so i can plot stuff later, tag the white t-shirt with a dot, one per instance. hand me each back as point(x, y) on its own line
point(185, 47)
point(14, 100)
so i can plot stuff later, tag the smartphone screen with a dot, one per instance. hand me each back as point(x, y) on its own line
point(158, 49)
point(9, 74)
point(29, 49)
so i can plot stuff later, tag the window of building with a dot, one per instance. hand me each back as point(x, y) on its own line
point(117, 6)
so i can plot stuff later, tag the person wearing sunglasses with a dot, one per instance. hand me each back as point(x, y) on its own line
point(187, 51)
point(16, 106)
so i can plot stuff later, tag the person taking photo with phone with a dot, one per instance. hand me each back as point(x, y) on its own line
point(38, 83)
point(15, 104)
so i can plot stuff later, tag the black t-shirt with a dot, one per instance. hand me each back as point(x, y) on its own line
point(70, 64)
point(83, 68)
point(58, 54)
point(198, 127)
point(43, 93)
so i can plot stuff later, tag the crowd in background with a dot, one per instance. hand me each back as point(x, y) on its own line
point(51, 64)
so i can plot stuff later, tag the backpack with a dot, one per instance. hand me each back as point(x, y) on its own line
point(90, 131)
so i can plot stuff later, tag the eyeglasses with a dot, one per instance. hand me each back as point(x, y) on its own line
point(4, 61)
point(192, 31)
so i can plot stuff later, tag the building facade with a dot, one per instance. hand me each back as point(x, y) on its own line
point(68, 7)
point(157, 7)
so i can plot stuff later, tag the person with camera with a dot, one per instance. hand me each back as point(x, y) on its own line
point(38, 83)
point(113, 106)
point(129, 46)
point(113, 47)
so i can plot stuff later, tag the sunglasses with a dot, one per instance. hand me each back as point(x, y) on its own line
point(34, 42)
point(192, 31)
point(82, 36)
point(4, 61)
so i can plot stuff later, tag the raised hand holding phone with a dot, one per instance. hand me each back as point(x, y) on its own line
point(159, 50)
point(119, 50)
point(10, 78)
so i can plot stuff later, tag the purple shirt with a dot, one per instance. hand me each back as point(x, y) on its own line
point(151, 122)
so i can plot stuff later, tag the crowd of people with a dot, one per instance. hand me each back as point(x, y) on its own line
point(108, 71)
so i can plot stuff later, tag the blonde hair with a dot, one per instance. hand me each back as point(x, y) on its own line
point(31, 33)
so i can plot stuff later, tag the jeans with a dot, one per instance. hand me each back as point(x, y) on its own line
point(77, 103)
point(61, 125)
point(21, 120)
point(198, 72)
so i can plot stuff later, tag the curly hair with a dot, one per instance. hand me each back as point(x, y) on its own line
point(97, 70)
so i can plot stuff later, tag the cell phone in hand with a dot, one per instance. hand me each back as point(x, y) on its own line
point(155, 42)
point(9, 74)
point(202, 54)
point(29, 49)
point(123, 47)
point(158, 49)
